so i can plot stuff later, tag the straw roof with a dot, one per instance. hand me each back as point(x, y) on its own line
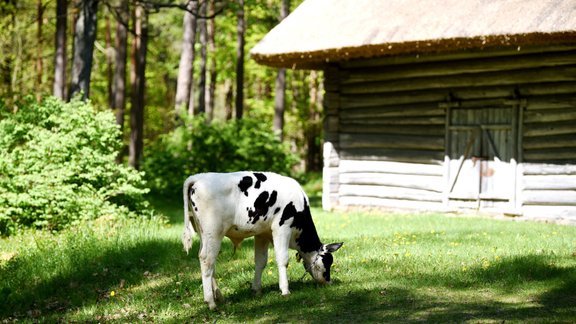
point(321, 31)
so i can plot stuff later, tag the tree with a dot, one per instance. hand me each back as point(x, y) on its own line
point(7, 53)
point(138, 85)
point(280, 101)
point(241, 29)
point(202, 29)
point(60, 58)
point(84, 37)
point(186, 66)
point(119, 79)
point(212, 71)
point(39, 48)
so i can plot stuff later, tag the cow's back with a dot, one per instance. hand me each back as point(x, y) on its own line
point(245, 203)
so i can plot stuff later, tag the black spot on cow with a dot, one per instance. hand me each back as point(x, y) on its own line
point(276, 210)
point(260, 177)
point(261, 205)
point(245, 184)
point(308, 241)
point(327, 259)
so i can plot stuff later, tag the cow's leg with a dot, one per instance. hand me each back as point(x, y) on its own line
point(217, 293)
point(281, 242)
point(208, 254)
point(260, 259)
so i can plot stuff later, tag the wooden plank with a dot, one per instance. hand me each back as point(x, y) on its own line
point(448, 68)
point(391, 203)
point(410, 156)
point(567, 214)
point(556, 154)
point(549, 182)
point(564, 101)
point(426, 130)
point(555, 141)
point(390, 141)
point(550, 115)
point(460, 55)
point(332, 79)
point(548, 169)
point(550, 128)
point(549, 197)
point(388, 193)
point(565, 74)
point(426, 120)
point(428, 109)
point(396, 98)
point(548, 88)
point(350, 166)
point(421, 182)
point(330, 155)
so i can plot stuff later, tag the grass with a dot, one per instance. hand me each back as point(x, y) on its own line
point(392, 268)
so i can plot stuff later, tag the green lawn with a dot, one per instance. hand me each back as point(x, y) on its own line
point(392, 268)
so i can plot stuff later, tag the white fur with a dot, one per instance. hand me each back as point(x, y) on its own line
point(215, 207)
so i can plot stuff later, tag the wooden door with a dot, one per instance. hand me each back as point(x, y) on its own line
point(481, 150)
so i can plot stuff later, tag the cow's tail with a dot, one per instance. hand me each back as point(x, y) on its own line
point(188, 226)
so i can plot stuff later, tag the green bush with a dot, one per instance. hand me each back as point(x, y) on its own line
point(57, 167)
point(197, 146)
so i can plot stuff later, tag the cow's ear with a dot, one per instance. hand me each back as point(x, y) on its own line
point(333, 247)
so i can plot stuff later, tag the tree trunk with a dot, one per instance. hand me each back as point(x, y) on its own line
point(8, 55)
point(109, 60)
point(59, 88)
point(228, 99)
point(39, 50)
point(119, 83)
point(212, 72)
point(241, 28)
point(138, 86)
point(84, 37)
point(186, 66)
point(314, 127)
point(202, 78)
point(279, 99)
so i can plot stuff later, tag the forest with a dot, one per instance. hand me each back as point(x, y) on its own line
point(171, 89)
point(152, 62)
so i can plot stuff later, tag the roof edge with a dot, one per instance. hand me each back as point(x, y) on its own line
point(317, 60)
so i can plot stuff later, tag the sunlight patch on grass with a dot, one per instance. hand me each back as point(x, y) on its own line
point(392, 268)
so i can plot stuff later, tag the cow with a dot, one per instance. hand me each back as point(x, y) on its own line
point(270, 207)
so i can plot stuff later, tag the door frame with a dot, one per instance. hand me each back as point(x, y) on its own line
point(517, 107)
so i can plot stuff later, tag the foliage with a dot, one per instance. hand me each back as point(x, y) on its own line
point(392, 268)
point(57, 167)
point(197, 146)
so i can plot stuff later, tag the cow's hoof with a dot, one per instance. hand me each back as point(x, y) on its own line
point(286, 293)
point(257, 292)
point(212, 306)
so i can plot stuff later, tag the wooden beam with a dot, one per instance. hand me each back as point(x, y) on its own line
point(502, 78)
point(455, 67)
point(390, 141)
point(351, 166)
point(549, 182)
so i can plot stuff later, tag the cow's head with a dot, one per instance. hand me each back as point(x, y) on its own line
point(318, 263)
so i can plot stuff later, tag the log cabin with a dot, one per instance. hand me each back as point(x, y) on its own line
point(444, 105)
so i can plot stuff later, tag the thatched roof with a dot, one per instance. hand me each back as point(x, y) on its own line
point(321, 31)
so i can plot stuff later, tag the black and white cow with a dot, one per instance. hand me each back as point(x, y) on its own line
point(268, 206)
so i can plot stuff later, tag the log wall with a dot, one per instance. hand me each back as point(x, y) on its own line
point(387, 126)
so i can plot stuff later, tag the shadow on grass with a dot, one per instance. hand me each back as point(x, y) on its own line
point(85, 279)
point(92, 280)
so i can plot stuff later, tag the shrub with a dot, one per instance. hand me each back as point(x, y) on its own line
point(197, 146)
point(57, 167)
